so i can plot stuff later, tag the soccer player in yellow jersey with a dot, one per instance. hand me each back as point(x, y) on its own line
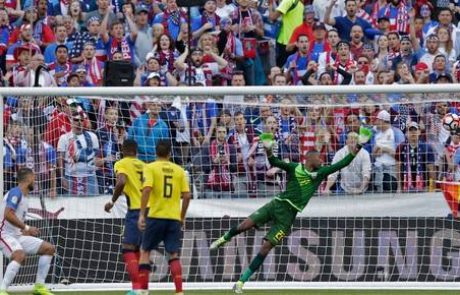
point(165, 183)
point(129, 172)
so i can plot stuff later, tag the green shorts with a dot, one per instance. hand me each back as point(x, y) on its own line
point(281, 214)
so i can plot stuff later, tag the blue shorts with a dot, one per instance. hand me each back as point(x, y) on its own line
point(132, 235)
point(162, 230)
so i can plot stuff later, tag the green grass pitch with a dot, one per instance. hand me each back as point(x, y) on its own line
point(278, 292)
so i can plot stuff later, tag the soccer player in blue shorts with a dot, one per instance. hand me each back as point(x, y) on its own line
point(129, 172)
point(165, 184)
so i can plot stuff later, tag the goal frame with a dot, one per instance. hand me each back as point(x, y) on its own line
point(219, 91)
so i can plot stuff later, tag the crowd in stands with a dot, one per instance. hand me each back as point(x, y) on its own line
point(73, 142)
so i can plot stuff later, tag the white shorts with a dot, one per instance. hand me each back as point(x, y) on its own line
point(9, 244)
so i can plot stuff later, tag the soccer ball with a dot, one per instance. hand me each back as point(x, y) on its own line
point(451, 122)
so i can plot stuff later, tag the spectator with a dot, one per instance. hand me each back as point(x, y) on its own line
point(229, 45)
point(384, 154)
point(354, 179)
point(249, 26)
point(200, 72)
point(171, 19)
point(42, 158)
point(92, 65)
point(115, 40)
point(25, 39)
point(182, 135)
point(439, 68)
point(343, 24)
point(61, 36)
point(415, 163)
point(328, 57)
point(147, 130)
point(42, 35)
point(319, 43)
point(103, 10)
point(269, 178)
point(446, 44)
point(296, 64)
point(398, 14)
point(242, 138)
point(306, 28)
point(208, 21)
point(92, 35)
point(291, 13)
point(224, 9)
point(343, 65)
point(356, 44)
point(167, 53)
point(144, 42)
point(220, 177)
point(406, 55)
point(77, 151)
point(432, 50)
point(403, 74)
point(421, 73)
point(61, 68)
point(76, 13)
point(35, 74)
point(14, 149)
point(436, 135)
point(234, 103)
point(110, 137)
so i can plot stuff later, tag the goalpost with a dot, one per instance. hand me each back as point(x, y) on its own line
point(404, 237)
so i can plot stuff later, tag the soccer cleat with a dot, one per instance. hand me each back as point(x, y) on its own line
point(238, 287)
point(218, 243)
point(40, 289)
point(3, 292)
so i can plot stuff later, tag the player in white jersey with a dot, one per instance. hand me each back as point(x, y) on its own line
point(18, 239)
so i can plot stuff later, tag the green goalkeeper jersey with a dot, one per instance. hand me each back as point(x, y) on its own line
point(302, 184)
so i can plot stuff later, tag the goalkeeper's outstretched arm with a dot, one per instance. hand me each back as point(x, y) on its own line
point(364, 137)
point(274, 161)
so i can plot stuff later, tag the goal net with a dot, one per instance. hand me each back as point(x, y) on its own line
point(389, 217)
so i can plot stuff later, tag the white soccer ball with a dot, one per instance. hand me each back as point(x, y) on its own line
point(451, 122)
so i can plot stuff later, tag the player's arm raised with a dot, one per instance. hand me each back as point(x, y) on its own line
point(364, 136)
point(119, 187)
point(274, 161)
point(10, 216)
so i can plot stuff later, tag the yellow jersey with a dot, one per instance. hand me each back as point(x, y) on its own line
point(133, 168)
point(168, 181)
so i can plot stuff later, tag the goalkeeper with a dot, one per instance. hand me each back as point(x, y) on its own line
point(303, 181)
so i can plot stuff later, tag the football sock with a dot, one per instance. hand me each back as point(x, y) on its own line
point(131, 259)
point(253, 267)
point(231, 233)
point(10, 273)
point(143, 276)
point(44, 263)
point(176, 273)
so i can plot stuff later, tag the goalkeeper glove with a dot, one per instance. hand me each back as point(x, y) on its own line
point(267, 141)
point(365, 135)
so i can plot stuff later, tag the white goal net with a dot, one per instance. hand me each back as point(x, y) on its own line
point(389, 217)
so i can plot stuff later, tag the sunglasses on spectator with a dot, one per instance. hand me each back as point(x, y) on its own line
point(363, 62)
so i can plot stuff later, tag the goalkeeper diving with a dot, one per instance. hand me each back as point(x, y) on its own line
point(303, 181)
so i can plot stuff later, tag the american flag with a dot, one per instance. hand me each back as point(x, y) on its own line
point(399, 17)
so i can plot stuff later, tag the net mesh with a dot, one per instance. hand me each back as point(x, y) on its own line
point(383, 218)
